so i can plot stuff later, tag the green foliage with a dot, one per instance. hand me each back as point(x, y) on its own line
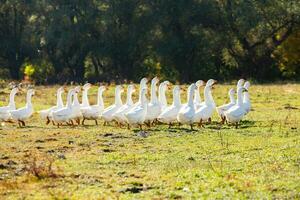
point(123, 39)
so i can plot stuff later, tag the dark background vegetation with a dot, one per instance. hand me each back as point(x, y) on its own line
point(104, 40)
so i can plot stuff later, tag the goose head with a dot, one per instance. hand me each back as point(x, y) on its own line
point(87, 86)
point(240, 83)
point(101, 89)
point(211, 82)
point(247, 85)
point(143, 82)
point(131, 89)
point(15, 90)
point(154, 81)
point(30, 92)
point(119, 89)
point(200, 83)
point(77, 89)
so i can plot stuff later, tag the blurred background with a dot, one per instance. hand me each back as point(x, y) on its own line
point(57, 41)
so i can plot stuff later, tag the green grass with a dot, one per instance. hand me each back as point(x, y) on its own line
point(260, 160)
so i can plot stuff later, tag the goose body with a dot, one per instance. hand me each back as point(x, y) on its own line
point(186, 113)
point(108, 113)
point(205, 112)
point(169, 115)
point(137, 115)
point(237, 112)
point(26, 112)
point(225, 107)
point(94, 112)
point(45, 114)
point(119, 116)
point(154, 107)
point(246, 98)
point(5, 110)
point(64, 114)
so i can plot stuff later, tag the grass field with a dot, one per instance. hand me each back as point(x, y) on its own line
point(260, 160)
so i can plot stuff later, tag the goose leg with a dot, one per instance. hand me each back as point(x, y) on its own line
point(200, 123)
point(104, 123)
point(192, 128)
point(78, 121)
point(83, 121)
point(96, 122)
point(141, 127)
point(236, 125)
point(53, 123)
point(23, 123)
point(19, 123)
point(209, 120)
point(170, 125)
point(48, 121)
point(128, 126)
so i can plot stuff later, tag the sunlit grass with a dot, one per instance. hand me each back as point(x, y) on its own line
point(259, 160)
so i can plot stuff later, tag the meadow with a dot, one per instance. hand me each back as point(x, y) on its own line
point(259, 160)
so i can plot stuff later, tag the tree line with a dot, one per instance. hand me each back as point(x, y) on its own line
point(64, 40)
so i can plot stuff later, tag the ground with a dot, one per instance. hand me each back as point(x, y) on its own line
point(259, 160)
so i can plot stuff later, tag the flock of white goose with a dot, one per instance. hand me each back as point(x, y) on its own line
point(149, 112)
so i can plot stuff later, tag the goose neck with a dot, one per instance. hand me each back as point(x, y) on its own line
point(28, 100)
point(239, 97)
point(190, 97)
point(118, 99)
point(176, 98)
point(232, 99)
point(85, 100)
point(100, 101)
point(197, 95)
point(69, 99)
point(12, 103)
point(75, 99)
point(59, 101)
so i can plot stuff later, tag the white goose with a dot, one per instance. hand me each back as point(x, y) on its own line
point(186, 113)
point(154, 107)
point(76, 107)
point(205, 112)
point(246, 98)
point(169, 115)
point(108, 113)
point(137, 115)
point(85, 99)
point(24, 113)
point(197, 98)
point(5, 110)
point(162, 95)
point(225, 107)
point(119, 116)
point(237, 112)
point(45, 114)
point(64, 114)
point(94, 112)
